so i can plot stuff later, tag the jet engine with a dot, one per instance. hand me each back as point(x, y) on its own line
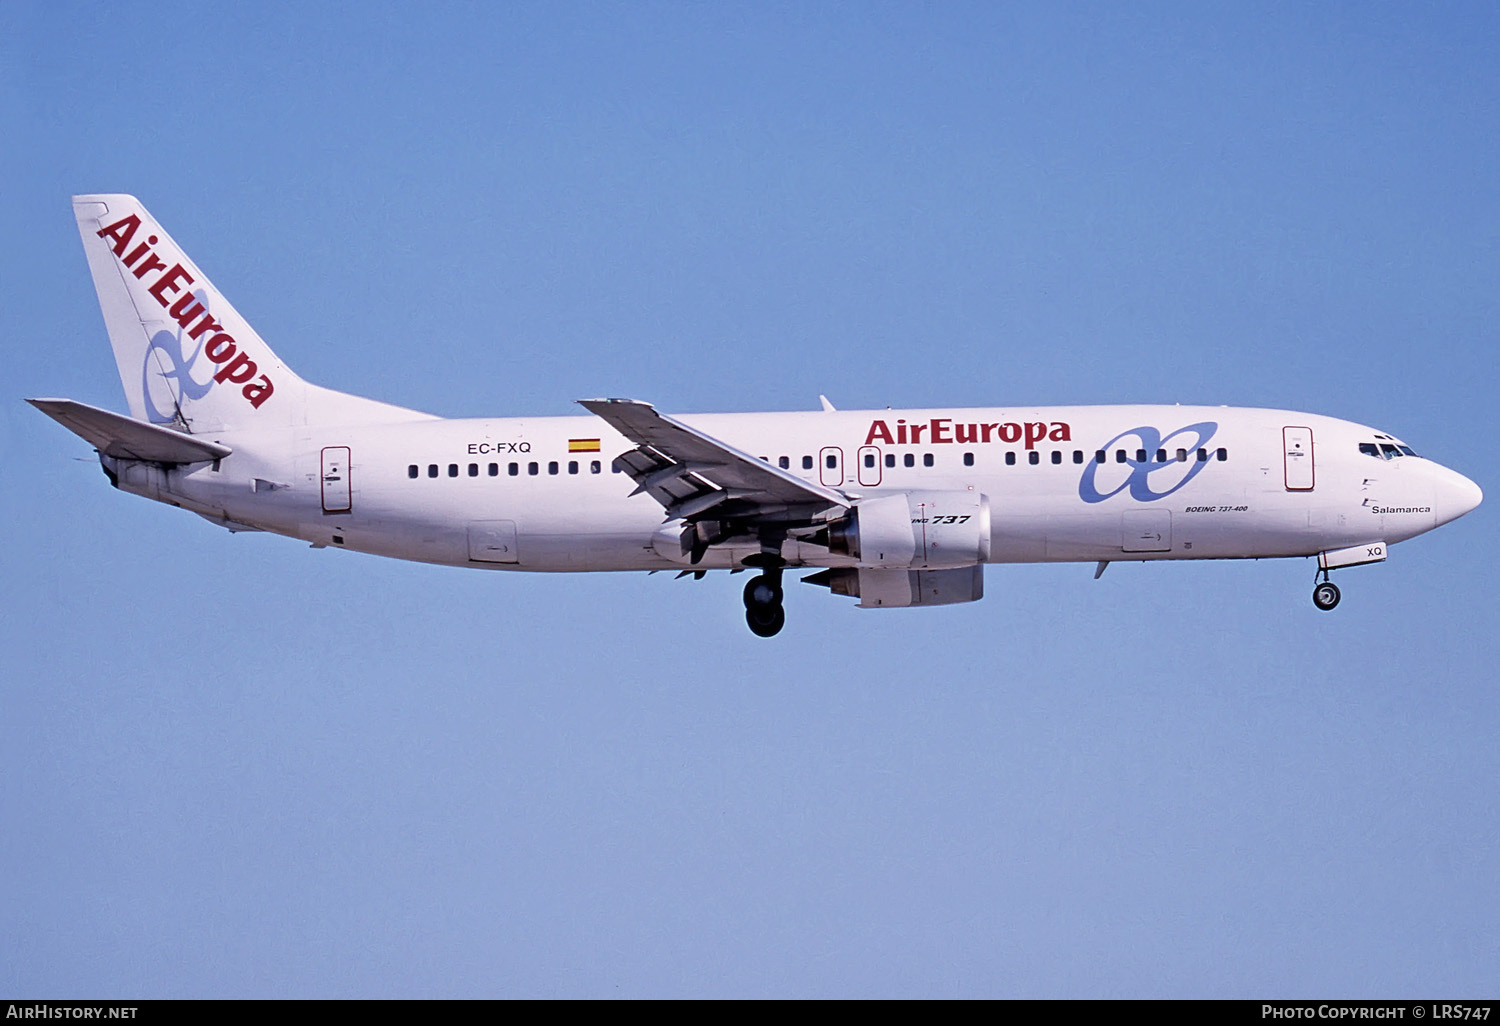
point(914, 529)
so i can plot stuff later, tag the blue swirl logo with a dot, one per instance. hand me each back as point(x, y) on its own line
point(180, 384)
point(1138, 476)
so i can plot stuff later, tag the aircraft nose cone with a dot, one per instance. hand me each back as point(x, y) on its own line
point(1454, 495)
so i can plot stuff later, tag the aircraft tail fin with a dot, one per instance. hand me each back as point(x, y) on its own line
point(186, 357)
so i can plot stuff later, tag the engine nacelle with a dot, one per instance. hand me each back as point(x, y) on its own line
point(893, 587)
point(915, 529)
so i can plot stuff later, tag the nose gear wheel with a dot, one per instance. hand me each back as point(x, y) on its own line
point(1325, 593)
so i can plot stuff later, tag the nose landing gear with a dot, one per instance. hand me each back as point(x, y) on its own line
point(763, 610)
point(1325, 593)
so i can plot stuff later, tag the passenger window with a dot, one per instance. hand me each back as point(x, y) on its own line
point(594, 467)
point(1077, 455)
point(1161, 455)
point(1140, 455)
point(890, 459)
point(533, 469)
point(807, 463)
point(1181, 455)
point(831, 461)
point(411, 471)
point(1223, 455)
point(1056, 456)
point(968, 459)
point(909, 460)
point(552, 466)
point(473, 470)
point(1202, 455)
point(453, 470)
point(432, 470)
point(515, 468)
point(1033, 457)
point(785, 463)
point(927, 459)
point(494, 470)
point(1119, 455)
point(1010, 459)
point(572, 466)
point(1099, 456)
point(870, 460)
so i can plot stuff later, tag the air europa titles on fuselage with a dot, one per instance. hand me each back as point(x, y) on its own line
point(942, 430)
point(234, 366)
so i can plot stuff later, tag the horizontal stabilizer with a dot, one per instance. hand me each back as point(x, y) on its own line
point(126, 439)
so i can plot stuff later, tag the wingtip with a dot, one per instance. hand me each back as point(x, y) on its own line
point(589, 403)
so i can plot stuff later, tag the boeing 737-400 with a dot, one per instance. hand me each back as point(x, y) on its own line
point(892, 507)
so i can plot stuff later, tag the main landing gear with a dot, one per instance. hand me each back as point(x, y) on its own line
point(763, 610)
point(1325, 593)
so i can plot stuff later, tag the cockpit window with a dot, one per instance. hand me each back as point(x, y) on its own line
point(1385, 450)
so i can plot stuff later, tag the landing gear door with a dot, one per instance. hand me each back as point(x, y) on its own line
point(1297, 444)
point(337, 494)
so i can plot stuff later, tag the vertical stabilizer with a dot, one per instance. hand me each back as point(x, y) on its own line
point(186, 357)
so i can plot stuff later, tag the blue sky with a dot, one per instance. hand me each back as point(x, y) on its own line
point(232, 766)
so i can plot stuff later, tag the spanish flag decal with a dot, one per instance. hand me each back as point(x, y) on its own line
point(583, 445)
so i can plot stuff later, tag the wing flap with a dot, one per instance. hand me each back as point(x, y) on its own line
point(691, 473)
point(125, 438)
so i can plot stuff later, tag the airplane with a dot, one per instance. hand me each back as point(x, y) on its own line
point(895, 508)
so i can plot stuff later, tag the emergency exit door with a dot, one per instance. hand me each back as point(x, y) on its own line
point(831, 466)
point(1297, 445)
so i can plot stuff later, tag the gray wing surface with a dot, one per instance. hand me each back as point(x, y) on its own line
point(128, 439)
point(695, 476)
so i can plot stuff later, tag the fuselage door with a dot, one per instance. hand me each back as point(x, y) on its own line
point(1146, 530)
point(337, 494)
point(493, 541)
point(831, 466)
point(869, 466)
point(1297, 444)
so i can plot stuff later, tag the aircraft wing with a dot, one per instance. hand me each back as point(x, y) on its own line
point(126, 438)
point(695, 475)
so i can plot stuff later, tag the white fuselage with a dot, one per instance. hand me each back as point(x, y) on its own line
point(1175, 482)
